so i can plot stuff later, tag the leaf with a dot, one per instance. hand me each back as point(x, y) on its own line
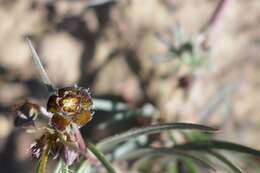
point(38, 64)
point(61, 167)
point(225, 161)
point(41, 166)
point(133, 133)
point(213, 144)
point(84, 167)
point(190, 165)
point(100, 156)
point(58, 168)
point(148, 152)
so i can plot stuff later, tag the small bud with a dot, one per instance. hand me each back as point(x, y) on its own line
point(25, 114)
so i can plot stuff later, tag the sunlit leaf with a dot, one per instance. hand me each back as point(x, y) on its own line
point(213, 144)
point(226, 161)
point(84, 167)
point(148, 152)
point(100, 156)
point(133, 133)
point(61, 167)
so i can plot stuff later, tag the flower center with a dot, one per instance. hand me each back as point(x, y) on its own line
point(70, 104)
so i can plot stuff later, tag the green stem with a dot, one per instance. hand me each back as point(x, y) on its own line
point(43, 159)
point(100, 156)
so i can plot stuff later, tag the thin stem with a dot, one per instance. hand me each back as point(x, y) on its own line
point(37, 61)
point(43, 159)
point(100, 156)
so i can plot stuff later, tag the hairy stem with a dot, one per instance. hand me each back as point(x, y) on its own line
point(43, 159)
point(100, 156)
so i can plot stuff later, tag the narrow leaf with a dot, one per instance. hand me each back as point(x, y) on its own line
point(58, 168)
point(148, 152)
point(133, 133)
point(61, 167)
point(225, 161)
point(84, 167)
point(101, 158)
point(213, 144)
point(191, 166)
point(38, 64)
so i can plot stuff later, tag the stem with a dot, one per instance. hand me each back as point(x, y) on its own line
point(100, 156)
point(43, 159)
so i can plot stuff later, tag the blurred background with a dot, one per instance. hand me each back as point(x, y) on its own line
point(178, 60)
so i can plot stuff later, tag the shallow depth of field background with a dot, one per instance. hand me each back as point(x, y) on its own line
point(110, 48)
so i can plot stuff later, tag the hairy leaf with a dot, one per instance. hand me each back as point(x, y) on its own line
point(225, 161)
point(133, 133)
point(213, 144)
point(148, 152)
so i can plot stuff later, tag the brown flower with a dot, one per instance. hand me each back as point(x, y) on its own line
point(25, 114)
point(56, 147)
point(70, 105)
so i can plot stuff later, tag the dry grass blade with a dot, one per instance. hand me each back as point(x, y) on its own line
point(133, 133)
point(38, 64)
point(213, 144)
point(148, 152)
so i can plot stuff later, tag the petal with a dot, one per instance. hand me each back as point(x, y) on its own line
point(70, 104)
point(52, 105)
point(68, 91)
point(86, 102)
point(82, 118)
point(60, 122)
point(69, 156)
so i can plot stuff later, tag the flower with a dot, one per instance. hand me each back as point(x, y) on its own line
point(57, 147)
point(68, 109)
point(70, 105)
point(25, 114)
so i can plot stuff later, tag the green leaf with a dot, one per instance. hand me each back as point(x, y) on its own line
point(225, 161)
point(100, 156)
point(213, 144)
point(84, 167)
point(61, 167)
point(191, 166)
point(148, 152)
point(133, 133)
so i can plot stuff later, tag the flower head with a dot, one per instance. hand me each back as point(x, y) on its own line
point(57, 147)
point(70, 105)
point(68, 109)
